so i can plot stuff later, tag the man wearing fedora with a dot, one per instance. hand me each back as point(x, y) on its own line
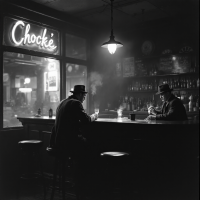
point(67, 135)
point(172, 108)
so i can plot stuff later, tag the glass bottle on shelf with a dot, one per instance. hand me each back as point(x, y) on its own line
point(128, 104)
point(124, 103)
point(154, 70)
point(191, 103)
point(155, 85)
point(198, 82)
point(188, 83)
point(170, 82)
point(136, 86)
point(132, 87)
point(184, 83)
point(133, 104)
point(197, 102)
point(181, 82)
point(173, 82)
point(146, 85)
point(178, 83)
point(194, 83)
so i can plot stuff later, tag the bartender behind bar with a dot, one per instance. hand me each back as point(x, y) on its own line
point(172, 108)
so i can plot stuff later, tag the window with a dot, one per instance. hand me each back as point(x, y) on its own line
point(29, 83)
point(75, 47)
point(76, 75)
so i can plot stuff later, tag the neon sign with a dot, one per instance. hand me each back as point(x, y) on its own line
point(40, 40)
point(30, 36)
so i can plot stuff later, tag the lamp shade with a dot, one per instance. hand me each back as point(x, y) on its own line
point(112, 45)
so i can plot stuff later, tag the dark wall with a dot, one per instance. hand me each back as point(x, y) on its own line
point(9, 160)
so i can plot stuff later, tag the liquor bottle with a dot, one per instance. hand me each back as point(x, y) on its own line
point(197, 101)
point(194, 83)
point(170, 83)
point(128, 105)
point(191, 103)
point(184, 83)
point(136, 86)
point(146, 86)
point(155, 85)
point(190, 82)
point(39, 111)
point(132, 87)
point(198, 82)
point(173, 83)
point(140, 86)
point(155, 71)
point(181, 82)
point(178, 83)
point(133, 104)
point(50, 113)
point(124, 103)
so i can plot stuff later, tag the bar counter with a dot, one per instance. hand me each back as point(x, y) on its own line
point(116, 132)
point(164, 154)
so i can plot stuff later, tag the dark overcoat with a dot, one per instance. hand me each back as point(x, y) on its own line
point(173, 109)
point(67, 133)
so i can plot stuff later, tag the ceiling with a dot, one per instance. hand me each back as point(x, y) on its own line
point(126, 13)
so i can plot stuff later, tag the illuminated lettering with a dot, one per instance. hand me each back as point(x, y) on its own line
point(37, 40)
point(13, 32)
point(40, 40)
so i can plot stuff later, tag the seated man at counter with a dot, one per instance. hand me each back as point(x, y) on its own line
point(67, 135)
point(172, 108)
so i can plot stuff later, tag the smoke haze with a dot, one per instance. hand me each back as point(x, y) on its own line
point(95, 80)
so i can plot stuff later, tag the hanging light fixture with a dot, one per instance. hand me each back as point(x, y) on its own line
point(112, 45)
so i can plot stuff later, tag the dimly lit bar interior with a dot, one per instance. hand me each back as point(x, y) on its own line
point(99, 100)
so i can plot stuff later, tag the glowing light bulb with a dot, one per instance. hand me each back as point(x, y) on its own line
point(112, 48)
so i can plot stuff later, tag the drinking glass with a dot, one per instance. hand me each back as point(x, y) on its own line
point(96, 110)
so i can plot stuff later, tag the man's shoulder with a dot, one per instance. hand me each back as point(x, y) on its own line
point(176, 100)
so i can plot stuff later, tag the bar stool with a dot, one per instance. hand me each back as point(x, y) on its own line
point(61, 163)
point(114, 168)
point(30, 158)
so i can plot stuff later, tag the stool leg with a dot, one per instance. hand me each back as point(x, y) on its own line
point(42, 174)
point(63, 179)
point(54, 177)
point(19, 174)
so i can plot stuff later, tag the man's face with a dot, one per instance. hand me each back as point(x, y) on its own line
point(82, 97)
point(164, 96)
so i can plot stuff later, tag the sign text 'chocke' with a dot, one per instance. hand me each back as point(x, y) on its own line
point(42, 41)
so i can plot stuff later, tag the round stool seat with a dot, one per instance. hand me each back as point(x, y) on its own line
point(30, 144)
point(114, 153)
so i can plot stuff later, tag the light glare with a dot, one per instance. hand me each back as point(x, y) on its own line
point(112, 48)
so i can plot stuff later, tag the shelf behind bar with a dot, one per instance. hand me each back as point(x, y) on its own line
point(174, 89)
point(161, 75)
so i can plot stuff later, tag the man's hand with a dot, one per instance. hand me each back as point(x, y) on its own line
point(151, 117)
point(152, 110)
point(94, 116)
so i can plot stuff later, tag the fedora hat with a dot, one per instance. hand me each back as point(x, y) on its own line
point(78, 89)
point(163, 88)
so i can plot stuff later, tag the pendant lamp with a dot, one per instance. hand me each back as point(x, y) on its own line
point(112, 45)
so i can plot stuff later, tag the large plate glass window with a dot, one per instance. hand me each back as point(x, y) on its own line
point(29, 83)
point(75, 47)
point(76, 75)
